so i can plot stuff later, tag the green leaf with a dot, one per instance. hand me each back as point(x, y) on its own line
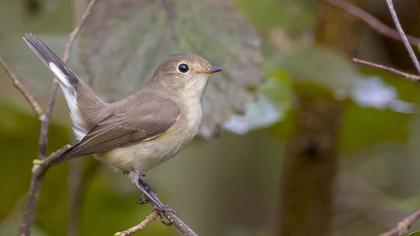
point(321, 66)
point(124, 42)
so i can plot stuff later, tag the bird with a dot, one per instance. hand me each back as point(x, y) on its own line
point(142, 130)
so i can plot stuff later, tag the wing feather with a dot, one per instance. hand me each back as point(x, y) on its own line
point(138, 122)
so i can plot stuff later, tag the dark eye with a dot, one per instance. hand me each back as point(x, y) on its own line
point(183, 68)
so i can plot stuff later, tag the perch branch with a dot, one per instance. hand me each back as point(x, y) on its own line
point(22, 89)
point(389, 69)
point(150, 218)
point(403, 36)
point(179, 224)
point(403, 226)
point(169, 216)
point(373, 22)
point(42, 167)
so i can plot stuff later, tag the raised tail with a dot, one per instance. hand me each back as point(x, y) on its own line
point(80, 98)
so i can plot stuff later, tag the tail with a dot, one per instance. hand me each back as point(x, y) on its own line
point(80, 98)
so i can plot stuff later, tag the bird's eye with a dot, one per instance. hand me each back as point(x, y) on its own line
point(183, 68)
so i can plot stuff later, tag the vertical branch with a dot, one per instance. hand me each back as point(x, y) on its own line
point(76, 193)
point(76, 178)
point(45, 121)
point(403, 36)
point(78, 182)
point(39, 170)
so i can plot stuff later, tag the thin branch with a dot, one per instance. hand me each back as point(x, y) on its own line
point(169, 215)
point(403, 35)
point(179, 224)
point(45, 122)
point(389, 69)
point(43, 139)
point(373, 22)
point(76, 192)
point(404, 225)
point(150, 218)
point(76, 31)
point(22, 89)
point(40, 169)
point(76, 177)
point(38, 172)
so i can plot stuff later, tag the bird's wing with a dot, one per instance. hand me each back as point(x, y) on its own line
point(139, 121)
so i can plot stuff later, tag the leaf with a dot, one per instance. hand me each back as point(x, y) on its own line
point(124, 41)
point(336, 73)
point(322, 66)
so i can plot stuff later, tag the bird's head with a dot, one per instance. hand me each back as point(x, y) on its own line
point(185, 71)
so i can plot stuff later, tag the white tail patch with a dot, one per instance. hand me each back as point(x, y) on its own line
point(70, 95)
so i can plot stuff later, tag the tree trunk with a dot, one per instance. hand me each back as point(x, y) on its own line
point(310, 165)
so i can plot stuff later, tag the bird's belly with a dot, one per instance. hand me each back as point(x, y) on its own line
point(147, 154)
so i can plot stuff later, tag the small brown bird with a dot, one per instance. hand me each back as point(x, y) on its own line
point(142, 130)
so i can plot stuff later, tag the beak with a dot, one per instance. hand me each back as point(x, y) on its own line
point(214, 69)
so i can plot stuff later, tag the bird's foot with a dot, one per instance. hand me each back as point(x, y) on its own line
point(161, 209)
point(150, 195)
point(143, 199)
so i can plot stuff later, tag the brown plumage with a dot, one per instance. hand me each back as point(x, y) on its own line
point(141, 130)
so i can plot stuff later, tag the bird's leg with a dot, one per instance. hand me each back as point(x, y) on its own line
point(149, 194)
point(142, 198)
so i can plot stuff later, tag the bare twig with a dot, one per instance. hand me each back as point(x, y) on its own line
point(169, 215)
point(389, 69)
point(38, 172)
point(75, 196)
point(150, 218)
point(45, 122)
point(78, 179)
point(43, 166)
point(403, 35)
point(22, 89)
point(404, 225)
point(373, 22)
point(78, 183)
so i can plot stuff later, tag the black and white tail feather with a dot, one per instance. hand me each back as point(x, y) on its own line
point(69, 82)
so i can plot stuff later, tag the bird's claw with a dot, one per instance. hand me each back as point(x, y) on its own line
point(143, 199)
point(161, 211)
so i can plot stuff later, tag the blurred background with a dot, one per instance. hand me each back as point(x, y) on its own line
point(297, 140)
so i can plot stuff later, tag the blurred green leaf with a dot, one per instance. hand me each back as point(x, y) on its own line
point(124, 41)
point(267, 14)
point(364, 127)
point(18, 142)
point(321, 66)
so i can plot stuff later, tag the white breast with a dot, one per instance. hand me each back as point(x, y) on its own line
point(147, 154)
